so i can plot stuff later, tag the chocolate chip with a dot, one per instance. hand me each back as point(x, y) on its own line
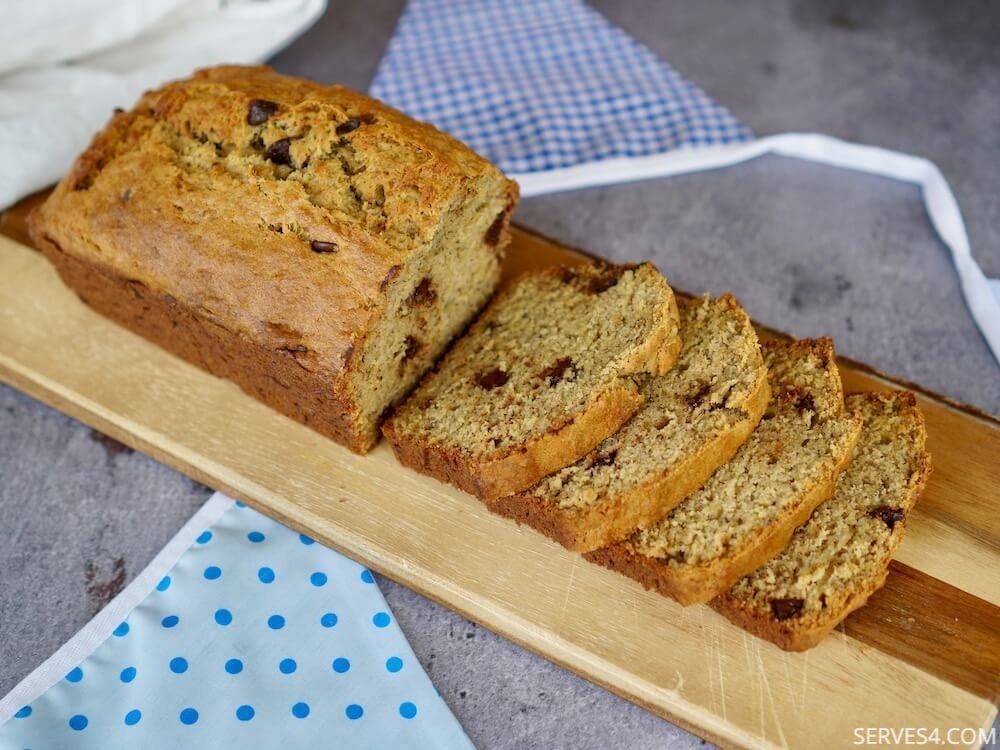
point(260, 111)
point(888, 515)
point(496, 229)
point(118, 110)
point(348, 355)
point(279, 153)
point(411, 345)
point(697, 398)
point(805, 402)
point(423, 294)
point(390, 275)
point(602, 283)
point(295, 348)
point(554, 372)
point(784, 609)
point(257, 143)
point(84, 182)
point(379, 199)
point(604, 459)
point(491, 379)
point(318, 246)
point(353, 124)
point(170, 299)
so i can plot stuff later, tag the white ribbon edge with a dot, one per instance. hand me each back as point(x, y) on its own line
point(99, 629)
point(940, 203)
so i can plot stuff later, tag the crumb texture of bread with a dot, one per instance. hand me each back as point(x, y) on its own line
point(544, 374)
point(310, 225)
point(745, 513)
point(836, 560)
point(692, 420)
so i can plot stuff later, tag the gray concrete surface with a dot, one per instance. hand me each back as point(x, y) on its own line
point(808, 249)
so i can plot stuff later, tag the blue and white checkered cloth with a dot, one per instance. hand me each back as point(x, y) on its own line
point(543, 84)
point(560, 98)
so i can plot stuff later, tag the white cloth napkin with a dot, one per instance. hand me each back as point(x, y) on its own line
point(64, 66)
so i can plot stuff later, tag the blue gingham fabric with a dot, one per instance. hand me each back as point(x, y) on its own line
point(540, 85)
point(257, 637)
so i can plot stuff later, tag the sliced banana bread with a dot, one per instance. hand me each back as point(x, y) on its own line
point(311, 244)
point(841, 556)
point(693, 420)
point(543, 376)
point(746, 512)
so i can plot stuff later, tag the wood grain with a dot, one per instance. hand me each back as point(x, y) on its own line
point(896, 663)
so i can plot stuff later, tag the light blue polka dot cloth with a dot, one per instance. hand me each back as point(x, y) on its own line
point(257, 637)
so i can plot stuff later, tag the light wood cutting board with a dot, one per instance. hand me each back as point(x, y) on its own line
point(925, 653)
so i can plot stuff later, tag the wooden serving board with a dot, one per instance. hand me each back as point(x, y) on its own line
point(925, 653)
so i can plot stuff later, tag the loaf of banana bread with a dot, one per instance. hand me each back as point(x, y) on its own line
point(311, 244)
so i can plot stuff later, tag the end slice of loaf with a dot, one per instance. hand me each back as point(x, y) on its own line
point(746, 512)
point(694, 418)
point(841, 556)
point(542, 377)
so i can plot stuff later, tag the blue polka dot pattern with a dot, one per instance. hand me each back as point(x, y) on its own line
point(214, 658)
point(204, 537)
point(266, 575)
point(78, 722)
point(354, 711)
point(239, 504)
point(407, 710)
point(340, 665)
point(178, 665)
point(306, 540)
point(318, 579)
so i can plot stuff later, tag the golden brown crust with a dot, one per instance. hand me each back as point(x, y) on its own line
point(517, 470)
point(618, 516)
point(189, 197)
point(267, 374)
point(692, 584)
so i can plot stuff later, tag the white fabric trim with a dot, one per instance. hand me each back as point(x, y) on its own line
point(981, 294)
point(98, 630)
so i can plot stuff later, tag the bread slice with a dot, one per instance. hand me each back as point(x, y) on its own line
point(746, 512)
point(543, 376)
point(841, 556)
point(693, 420)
